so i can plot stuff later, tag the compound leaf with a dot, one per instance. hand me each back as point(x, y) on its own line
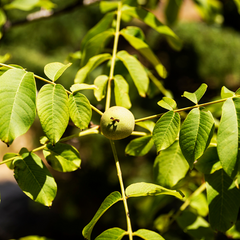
point(34, 178)
point(166, 130)
point(80, 110)
point(110, 200)
point(195, 134)
point(226, 93)
point(167, 103)
point(52, 106)
point(121, 89)
point(55, 70)
point(92, 64)
point(136, 71)
point(17, 105)
point(170, 166)
point(112, 234)
point(139, 146)
point(62, 157)
point(141, 189)
point(148, 234)
point(223, 199)
point(100, 82)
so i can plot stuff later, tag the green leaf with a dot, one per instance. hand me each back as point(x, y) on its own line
point(139, 146)
point(149, 125)
point(34, 178)
point(200, 205)
point(108, 6)
point(147, 234)
point(55, 70)
point(197, 95)
point(8, 156)
point(167, 103)
point(172, 10)
point(223, 200)
point(142, 189)
point(52, 106)
point(3, 17)
point(228, 136)
point(24, 5)
point(101, 83)
point(136, 71)
point(209, 162)
point(104, 24)
point(226, 93)
point(166, 130)
point(145, 50)
point(96, 45)
point(170, 166)
point(195, 134)
point(149, 19)
point(82, 86)
point(17, 105)
point(92, 64)
point(121, 90)
point(80, 110)
point(109, 201)
point(237, 2)
point(112, 234)
point(195, 226)
point(62, 157)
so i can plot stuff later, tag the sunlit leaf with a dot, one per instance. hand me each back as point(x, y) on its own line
point(145, 50)
point(148, 234)
point(170, 166)
point(167, 103)
point(139, 146)
point(237, 2)
point(141, 189)
point(149, 125)
point(92, 64)
point(34, 178)
point(52, 106)
point(112, 234)
point(195, 134)
point(121, 90)
point(55, 70)
point(166, 130)
point(24, 5)
point(226, 93)
point(110, 200)
point(107, 6)
point(17, 105)
point(80, 110)
point(3, 17)
point(197, 95)
point(136, 71)
point(223, 200)
point(96, 45)
point(9, 156)
point(151, 20)
point(62, 157)
point(100, 82)
point(82, 86)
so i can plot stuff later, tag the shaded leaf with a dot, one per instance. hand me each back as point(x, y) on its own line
point(223, 200)
point(237, 2)
point(167, 103)
point(92, 64)
point(228, 136)
point(170, 166)
point(197, 95)
point(148, 234)
point(149, 18)
point(172, 10)
point(136, 71)
point(52, 106)
point(145, 50)
point(17, 105)
point(112, 234)
point(55, 70)
point(139, 146)
point(121, 90)
point(101, 83)
point(142, 189)
point(34, 178)
point(110, 200)
point(166, 130)
point(3, 18)
point(80, 110)
point(8, 156)
point(62, 157)
point(195, 134)
point(96, 45)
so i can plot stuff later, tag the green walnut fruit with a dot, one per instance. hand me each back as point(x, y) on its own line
point(117, 123)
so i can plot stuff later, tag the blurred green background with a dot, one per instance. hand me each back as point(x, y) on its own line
point(210, 54)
